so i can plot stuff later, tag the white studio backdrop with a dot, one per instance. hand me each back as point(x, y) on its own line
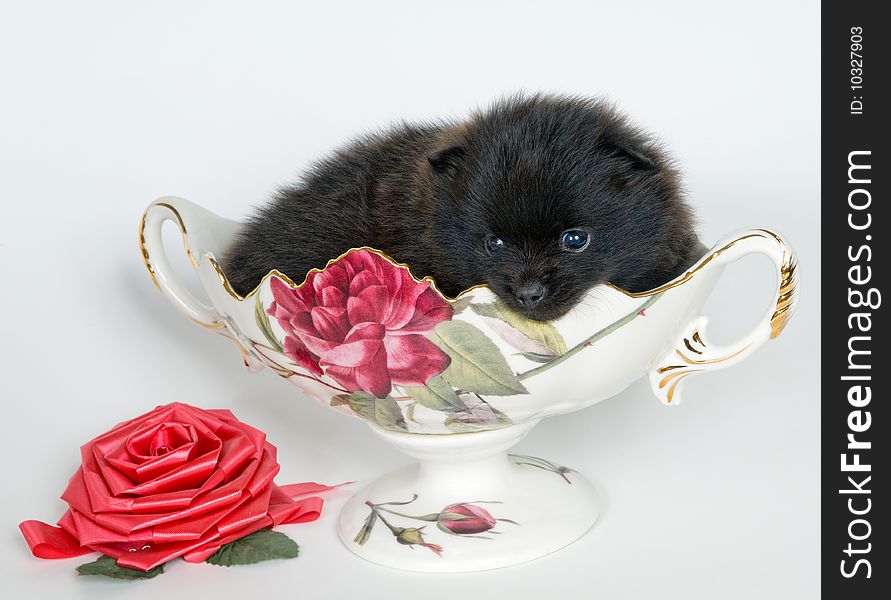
point(106, 105)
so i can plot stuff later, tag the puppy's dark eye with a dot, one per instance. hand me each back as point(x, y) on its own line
point(494, 244)
point(575, 240)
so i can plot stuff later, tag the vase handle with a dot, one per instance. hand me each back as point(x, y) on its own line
point(692, 353)
point(155, 256)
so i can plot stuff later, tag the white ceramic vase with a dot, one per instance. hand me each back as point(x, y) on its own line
point(456, 382)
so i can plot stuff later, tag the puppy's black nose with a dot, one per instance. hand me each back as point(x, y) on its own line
point(530, 293)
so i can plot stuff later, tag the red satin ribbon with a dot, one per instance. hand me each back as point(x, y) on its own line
point(287, 505)
point(177, 481)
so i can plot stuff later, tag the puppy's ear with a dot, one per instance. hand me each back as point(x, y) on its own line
point(447, 160)
point(635, 158)
point(637, 161)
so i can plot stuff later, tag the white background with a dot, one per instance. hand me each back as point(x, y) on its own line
point(106, 105)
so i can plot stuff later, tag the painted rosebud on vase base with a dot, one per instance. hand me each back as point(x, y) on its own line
point(466, 519)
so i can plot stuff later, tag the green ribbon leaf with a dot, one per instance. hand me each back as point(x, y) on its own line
point(256, 547)
point(106, 566)
point(541, 332)
point(477, 364)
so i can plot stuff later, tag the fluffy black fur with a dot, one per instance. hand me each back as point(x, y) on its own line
point(525, 171)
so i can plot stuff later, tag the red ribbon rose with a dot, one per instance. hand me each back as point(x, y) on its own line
point(176, 481)
point(362, 319)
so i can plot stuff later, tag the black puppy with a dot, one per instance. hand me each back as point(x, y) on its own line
point(538, 197)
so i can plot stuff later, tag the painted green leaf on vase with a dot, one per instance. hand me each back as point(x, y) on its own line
point(538, 358)
point(340, 400)
point(540, 332)
point(477, 414)
point(437, 395)
point(477, 364)
point(383, 411)
point(367, 526)
point(262, 320)
point(461, 304)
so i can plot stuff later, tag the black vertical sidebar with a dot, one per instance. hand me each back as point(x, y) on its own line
point(856, 372)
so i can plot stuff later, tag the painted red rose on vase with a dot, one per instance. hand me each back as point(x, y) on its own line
point(362, 322)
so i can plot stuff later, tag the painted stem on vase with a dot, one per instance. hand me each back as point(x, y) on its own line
point(602, 333)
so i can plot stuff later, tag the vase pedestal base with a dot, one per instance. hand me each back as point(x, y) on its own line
point(467, 505)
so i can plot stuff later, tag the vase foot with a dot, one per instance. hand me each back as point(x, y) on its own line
point(450, 515)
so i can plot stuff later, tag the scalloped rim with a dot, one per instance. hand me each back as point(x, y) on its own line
point(679, 280)
point(291, 283)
